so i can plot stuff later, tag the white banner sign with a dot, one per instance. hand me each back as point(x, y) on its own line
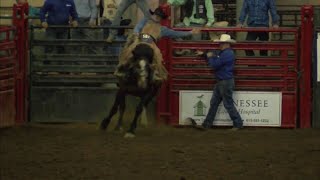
point(255, 108)
point(318, 53)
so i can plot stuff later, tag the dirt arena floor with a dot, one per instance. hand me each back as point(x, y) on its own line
point(80, 151)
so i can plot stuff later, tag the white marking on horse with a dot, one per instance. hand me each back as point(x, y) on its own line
point(142, 82)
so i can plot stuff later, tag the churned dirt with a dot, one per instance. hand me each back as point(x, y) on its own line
point(81, 151)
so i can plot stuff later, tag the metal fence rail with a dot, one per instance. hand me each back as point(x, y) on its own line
point(8, 64)
point(58, 80)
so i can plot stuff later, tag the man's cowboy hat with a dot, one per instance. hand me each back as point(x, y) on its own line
point(158, 12)
point(225, 38)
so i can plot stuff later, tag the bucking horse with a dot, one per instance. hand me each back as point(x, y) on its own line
point(138, 60)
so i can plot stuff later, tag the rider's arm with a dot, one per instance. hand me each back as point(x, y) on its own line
point(166, 32)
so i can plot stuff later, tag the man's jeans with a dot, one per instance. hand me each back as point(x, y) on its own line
point(85, 34)
point(123, 6)
point(223, 92)
point(56, 33)
point(253, 36)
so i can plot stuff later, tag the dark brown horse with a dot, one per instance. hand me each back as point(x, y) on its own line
point(138, 82)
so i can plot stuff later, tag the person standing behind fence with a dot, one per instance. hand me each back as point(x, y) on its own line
point(223, 65)
point(88, 12)
point(58, 12)
point(258, 16)
point(123, 6)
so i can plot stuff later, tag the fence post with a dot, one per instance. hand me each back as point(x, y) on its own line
point(20, 21)
point(162, 104)
point(305, 83)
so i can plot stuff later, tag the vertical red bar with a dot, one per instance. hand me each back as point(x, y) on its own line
point(305, 65)
point(163, 100)
point(21, 23)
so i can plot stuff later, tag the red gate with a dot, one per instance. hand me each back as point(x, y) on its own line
point(279, 72)
point(13, 69)
point(7, 76)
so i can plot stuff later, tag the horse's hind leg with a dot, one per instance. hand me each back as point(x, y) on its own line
point(122, 106)
point(105, 122)
point(143, 103)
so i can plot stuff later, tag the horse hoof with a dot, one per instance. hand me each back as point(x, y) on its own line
point(129, 135)
point(103, 126)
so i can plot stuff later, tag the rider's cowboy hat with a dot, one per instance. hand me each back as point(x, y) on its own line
point(158, 12)
point(225, 38)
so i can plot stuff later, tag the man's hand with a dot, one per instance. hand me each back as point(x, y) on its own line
point(208, 25)
point(240, 25)
point(92, 23)
point(275, 26)
point(199, 53)
point(210, 54)
point(44, 25)
point(74, 24)
point(196, 31)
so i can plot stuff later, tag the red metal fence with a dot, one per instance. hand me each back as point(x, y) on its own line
point(287, 67)
point(8, 64)
point(20, 22)
point(13, 69)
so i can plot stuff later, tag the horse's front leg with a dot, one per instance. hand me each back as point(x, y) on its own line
point(143, 103)
point(105, 122)
point(122, 106)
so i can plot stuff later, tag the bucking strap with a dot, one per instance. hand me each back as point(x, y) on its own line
point(147, 38)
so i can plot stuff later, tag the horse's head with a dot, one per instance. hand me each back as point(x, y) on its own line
point(141, 67)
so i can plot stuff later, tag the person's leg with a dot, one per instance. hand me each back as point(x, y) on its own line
point(62, 33)
point(142, 4)
point(106, 32)
point(251, 36)
point(89, 34)
point(228, 86)
point(263, 36)
point(50, 35)
point(123, 6)
point(214, 104)
point(78, 34)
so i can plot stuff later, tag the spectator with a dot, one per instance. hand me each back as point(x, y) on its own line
point(199, 13)
point(87, 11)
point(223, 65)
point(110, 8)
point(32, 10)
point(58, 14)
point(258, 16)
point(142, 4)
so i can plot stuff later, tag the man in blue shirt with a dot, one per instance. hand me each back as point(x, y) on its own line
point(58, 12)
point(258, 16)
point(223, 65)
